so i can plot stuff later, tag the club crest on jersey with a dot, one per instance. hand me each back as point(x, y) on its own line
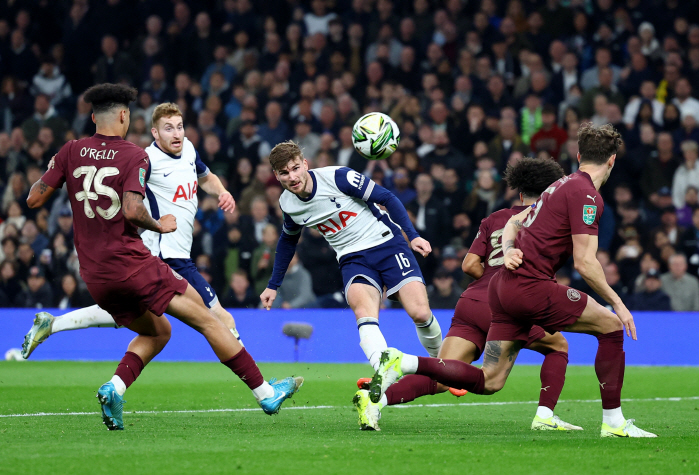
point(573, 295)
point(589, 214)
point(142, 176)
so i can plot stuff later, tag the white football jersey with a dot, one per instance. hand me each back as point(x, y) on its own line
point(337, 207)
point(171, 188)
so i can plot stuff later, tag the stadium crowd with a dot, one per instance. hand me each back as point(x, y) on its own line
point(473, 86)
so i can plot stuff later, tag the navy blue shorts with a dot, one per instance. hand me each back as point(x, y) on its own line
point(187, 269)
point(391, 265)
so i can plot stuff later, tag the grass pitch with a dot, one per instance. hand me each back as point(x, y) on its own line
point(199, 418)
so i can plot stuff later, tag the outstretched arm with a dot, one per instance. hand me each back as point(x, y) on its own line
point(135, 211)
point(39, 194)
point(212, 185)
point(513, 256)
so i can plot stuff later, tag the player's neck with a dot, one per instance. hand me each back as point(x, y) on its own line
point(110, 130)
point(598, 174)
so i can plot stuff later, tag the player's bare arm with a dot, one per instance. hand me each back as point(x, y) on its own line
point(472, 265)
point(512, 255)
point(212, 185)
point(39, 194)
point(135, 211)
point(586, 263)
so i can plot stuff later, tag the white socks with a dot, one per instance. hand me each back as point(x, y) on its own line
point(430, 335)
point(118, 385)
point(613, 417)
point(408, 364)
point(371, 340)
point(544, 412)
point(87, 317)
point(263, 391)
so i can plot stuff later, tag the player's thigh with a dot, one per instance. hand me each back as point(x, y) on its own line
point(595, 320)
point(223, 315)
point(455, 348)
point(413, 297)
point(364, 300)
point(190, 309)
point(549, 343)
point(498, 360)
point(151, 325)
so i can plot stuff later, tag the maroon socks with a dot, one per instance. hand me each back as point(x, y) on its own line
point(129, 368)
point(553, 375)
point(409, 388)
point(452, 373)
point(245, 368)
point(609, 366)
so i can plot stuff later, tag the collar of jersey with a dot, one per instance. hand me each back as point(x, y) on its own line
point(313, 192)
point(176, 157)
point(108, 137)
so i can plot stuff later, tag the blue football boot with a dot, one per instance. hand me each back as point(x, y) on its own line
point(282, 390)
point(112, 406)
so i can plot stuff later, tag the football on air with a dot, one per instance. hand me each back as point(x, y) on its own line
point(375, 136)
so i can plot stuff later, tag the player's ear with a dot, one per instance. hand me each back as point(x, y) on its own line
point(521, 197)
point(154, 131)
point(578, 157)
point(93, 118)
point(611, 161)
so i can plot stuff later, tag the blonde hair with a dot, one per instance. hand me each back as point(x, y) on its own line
point(166, 109)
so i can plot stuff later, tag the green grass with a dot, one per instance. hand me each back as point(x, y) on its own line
point(453, 438)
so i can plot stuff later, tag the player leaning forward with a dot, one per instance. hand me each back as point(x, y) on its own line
point(343, 205)
point(537, 242)
point(175, 173)
point(105, 178)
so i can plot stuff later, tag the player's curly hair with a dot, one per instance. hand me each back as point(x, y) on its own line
point(283, 153)
point(105, 97)
point(531, 176)
point(597, 143)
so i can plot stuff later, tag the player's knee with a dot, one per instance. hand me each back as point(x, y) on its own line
point(493, 385)
point(560, 344)
point(612, 324)
point(164, 331)
point(441, 388)
point(420, 313)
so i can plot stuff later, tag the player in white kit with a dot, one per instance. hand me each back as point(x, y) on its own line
point(371, 250)
point(172, 180)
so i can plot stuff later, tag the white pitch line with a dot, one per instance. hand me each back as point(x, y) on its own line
point(401, 406)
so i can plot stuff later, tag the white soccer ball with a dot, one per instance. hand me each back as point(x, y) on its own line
point(14, 354)
point(375, 136)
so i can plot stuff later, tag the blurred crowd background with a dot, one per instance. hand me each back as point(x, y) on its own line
point(473, 85)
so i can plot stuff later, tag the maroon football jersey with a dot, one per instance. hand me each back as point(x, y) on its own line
point(97, 171)
point(569, 206)
point(488, 245)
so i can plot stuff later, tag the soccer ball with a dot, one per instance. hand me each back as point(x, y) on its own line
point(375, 136)
point(14, 354)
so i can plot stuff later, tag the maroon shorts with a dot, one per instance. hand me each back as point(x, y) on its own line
point(472, 320)
point(518, 303)
point(150, 288)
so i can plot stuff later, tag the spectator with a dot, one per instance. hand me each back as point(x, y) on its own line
point(114, 65)
point(604, 87)
point(45, 115)
point(50, 82)
point(683, 289)
point(305, 138)
point(647, 93)
point(318, 19)
point(652, 297)
point(659, 171)
point(687, 104)
point(346, 155)
point(263, 258)
point(249, 144)
point(505, 143)
point(10, 288)
point(443, 293)
point(71, 296)
point(686, 174)
point(38, 293)
point(239, 293)
point(297, 289)
point(591, 77)
point(550, 137)
point(431, 218)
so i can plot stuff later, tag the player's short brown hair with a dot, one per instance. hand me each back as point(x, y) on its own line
point(107, 96)
point(283, 153)
point(597, 143)
point(166, 109)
